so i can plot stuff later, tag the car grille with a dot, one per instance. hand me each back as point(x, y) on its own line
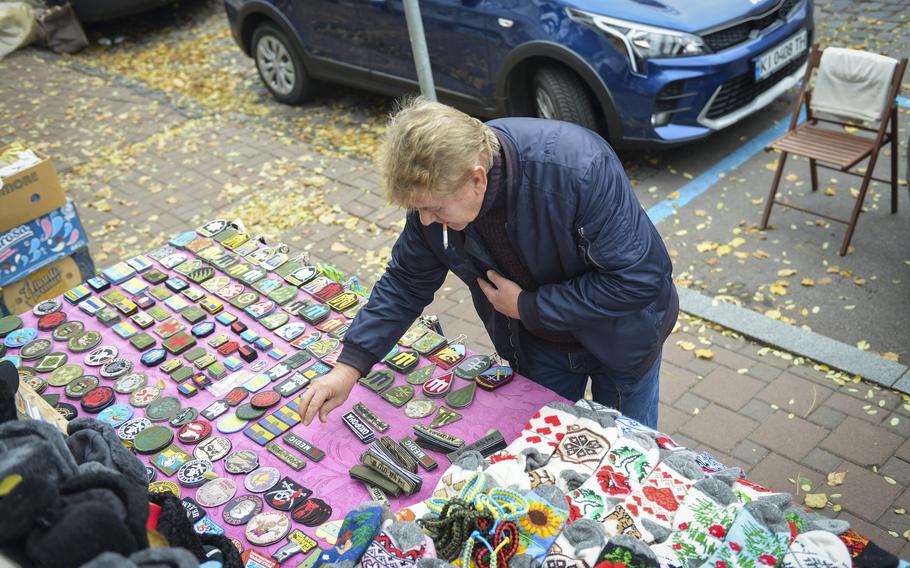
point(738, 33)
point(742, 89)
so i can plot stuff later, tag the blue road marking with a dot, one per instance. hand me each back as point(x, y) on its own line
point(703, 182)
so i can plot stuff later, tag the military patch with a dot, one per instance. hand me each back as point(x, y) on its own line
point(378, 381)
point(473, 366)
point(429, 342)
point(398, 396)
point(438, 386)
point(494, 377)
point(449, 356)
point(402, 361)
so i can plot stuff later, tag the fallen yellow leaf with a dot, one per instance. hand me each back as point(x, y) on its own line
point(686, 345)
point(673, 195)
point(836, 478)
point(704, 353)
point(816, 500)
point(786, 272)
point(737, 242)
point(773, 314)
point(830, 192)
point(724, 250)
point(807, 282)
point(778, 289)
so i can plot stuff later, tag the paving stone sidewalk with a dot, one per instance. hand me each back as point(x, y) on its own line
point(140, 168)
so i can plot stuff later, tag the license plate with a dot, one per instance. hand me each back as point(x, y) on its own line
point(773, 59)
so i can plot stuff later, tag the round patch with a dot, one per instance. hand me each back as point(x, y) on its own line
point(230, 423)
point(165, 487)
point(47, 307)
point(216, 492)
point(52, 362)
point(97, 399)
point(35, 349)
point(212, 449)
point(130, 382)
point(419, 408)
point(66, 410)
point(80, 386)
point(101, 355)
point(183, 416)
point(84, 341)
point(62, 376)
point(265, 399)
point(129, 429)
point(246, 412)
point(27, 372)
point(19, 337)
point(262, 479)
point(68, 330)
point(35, 382)
point(163, 409)
point(51, 321)
point(194, 432)
point(242, 461)
point(8, 324)
point(153, 439)
point(241, 509)
point(116, 368)
point(312, 512)
point(267, 528)
point(144, 396)
point(192, 473)
point(116, 414)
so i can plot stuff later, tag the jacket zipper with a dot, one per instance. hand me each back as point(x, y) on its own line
point(585, 246)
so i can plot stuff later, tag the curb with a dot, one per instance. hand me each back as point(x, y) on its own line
point(792, 339)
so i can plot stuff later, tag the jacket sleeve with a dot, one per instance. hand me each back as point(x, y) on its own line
point(412, 278)
point(628, 265)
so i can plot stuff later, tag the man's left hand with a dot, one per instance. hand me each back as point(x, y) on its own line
point(503, 294)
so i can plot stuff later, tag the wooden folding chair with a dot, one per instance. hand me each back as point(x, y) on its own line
point(835, 149)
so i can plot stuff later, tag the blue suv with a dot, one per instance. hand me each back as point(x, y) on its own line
point(647, 72)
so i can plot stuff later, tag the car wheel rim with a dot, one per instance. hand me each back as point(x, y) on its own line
point(545, 107)
point(274, 62)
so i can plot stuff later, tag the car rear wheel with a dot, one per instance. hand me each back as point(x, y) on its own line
point(560, 95)
point(279, 65)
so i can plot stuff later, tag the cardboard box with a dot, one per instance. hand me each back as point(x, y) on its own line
point(29, 194)
point(48, 282)
point(33, 245)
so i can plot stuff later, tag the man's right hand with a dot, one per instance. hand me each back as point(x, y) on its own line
point(328, 392)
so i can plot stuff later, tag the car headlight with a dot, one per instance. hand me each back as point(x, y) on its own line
point(642, 42)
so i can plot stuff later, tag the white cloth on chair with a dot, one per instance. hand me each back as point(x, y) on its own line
point(852, 84)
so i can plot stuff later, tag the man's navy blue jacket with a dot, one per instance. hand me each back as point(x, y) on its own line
point(573, 219)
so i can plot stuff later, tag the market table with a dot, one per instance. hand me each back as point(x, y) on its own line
point(506, 408)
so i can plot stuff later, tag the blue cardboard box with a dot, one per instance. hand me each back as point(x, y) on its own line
point(34, 245)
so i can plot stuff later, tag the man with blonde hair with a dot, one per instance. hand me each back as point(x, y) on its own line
point(537, 217)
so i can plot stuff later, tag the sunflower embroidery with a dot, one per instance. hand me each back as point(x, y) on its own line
point(541, 521)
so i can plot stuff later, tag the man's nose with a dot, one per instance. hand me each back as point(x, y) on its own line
point(426, 217)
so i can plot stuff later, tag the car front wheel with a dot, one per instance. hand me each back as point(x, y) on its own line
point(560, 95)
point(279, 65)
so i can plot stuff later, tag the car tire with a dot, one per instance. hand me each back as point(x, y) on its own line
point(280, 66)
point(559, 94)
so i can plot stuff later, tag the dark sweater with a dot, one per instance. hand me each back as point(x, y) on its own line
point(491, 225)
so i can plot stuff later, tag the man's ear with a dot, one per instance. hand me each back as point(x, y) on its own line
point(479, 178)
